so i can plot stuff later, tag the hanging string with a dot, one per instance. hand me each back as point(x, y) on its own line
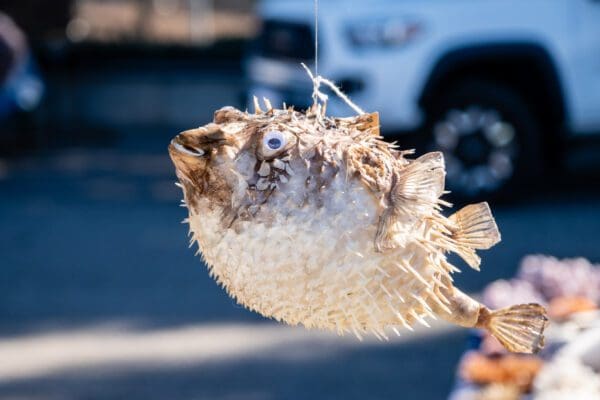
point(318, 95)
point(317, 37)
point(317, 79)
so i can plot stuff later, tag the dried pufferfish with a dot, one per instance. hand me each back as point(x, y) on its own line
point(316, 221)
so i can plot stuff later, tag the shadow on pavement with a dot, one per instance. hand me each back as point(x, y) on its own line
point(416, 369)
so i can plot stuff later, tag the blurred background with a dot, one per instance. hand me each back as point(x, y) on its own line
point(100, 296)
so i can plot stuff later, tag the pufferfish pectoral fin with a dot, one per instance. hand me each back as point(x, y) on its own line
point(420, 184)
point(415, 194)
point(388, 234)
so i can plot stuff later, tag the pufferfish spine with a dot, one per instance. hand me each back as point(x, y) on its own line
point(316, 221)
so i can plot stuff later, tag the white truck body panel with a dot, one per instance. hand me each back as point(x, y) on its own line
point(569, 31)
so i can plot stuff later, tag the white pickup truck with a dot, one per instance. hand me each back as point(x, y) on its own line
point(497, 85)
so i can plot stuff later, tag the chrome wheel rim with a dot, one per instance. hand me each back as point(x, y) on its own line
point(480, 148)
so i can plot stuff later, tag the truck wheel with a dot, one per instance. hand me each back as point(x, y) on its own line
point(489, 137)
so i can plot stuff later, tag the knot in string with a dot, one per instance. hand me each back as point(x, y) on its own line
point(321, 97)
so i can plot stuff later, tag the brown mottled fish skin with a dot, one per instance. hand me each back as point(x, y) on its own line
point(317, 221)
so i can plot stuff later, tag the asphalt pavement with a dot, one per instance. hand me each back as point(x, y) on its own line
point(100, 297)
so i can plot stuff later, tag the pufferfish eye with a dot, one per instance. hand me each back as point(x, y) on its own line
point(273, 141)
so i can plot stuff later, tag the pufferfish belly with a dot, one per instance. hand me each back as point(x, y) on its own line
point(318, 266)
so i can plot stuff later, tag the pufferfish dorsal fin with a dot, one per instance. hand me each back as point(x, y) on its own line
point(414, 194)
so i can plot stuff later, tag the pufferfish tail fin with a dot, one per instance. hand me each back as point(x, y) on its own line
point(519, 328)
point(473, 227)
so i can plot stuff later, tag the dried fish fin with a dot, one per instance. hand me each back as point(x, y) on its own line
point(468, 255)
point(384, 238)
point(420, 184)
point(472, 227)
point(415, 194)
point(519, 328)
point(475, 227)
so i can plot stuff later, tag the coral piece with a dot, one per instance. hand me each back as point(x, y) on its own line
point(566, 378)
point(510, 369)
point(502, 293)
point(500, 391)
point(553, 278)
point(561, 308)
point(585, 347)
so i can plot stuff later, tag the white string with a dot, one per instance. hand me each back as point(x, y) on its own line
point(341, 95)
point(316, 37)
point(317, 79)
point(318, 95)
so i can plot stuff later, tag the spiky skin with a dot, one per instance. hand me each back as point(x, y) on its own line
point(337, 230)
point(316, 265)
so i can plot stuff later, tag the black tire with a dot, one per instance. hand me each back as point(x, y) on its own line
point(481, 160)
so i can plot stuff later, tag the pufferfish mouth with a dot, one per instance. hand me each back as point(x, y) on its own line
point(177, 147)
